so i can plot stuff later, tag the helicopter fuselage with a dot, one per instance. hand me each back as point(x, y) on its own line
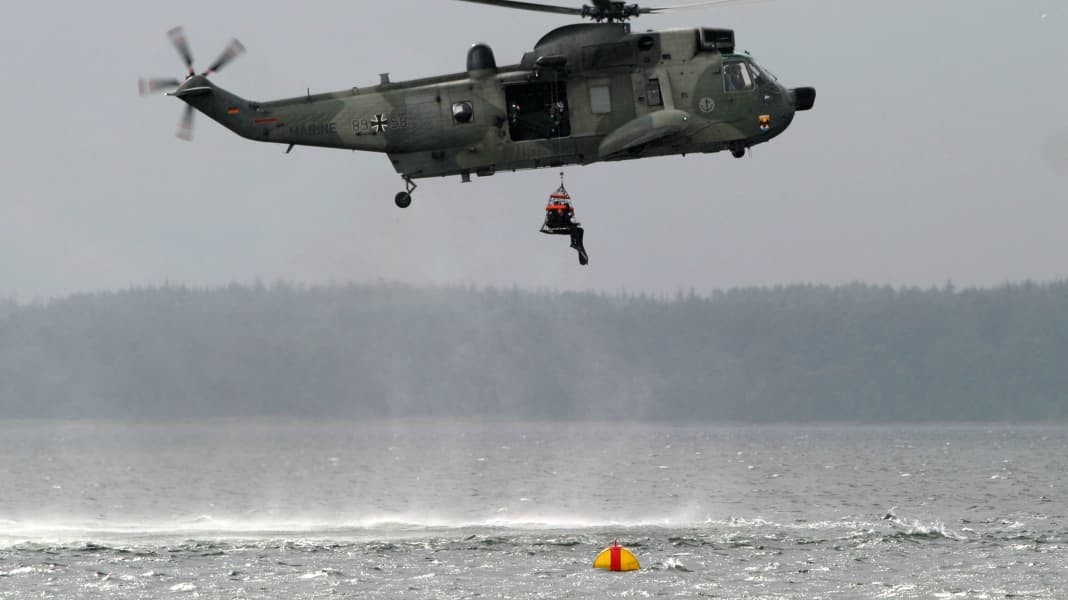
point(587, 93)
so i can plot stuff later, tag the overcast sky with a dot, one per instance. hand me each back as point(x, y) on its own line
point(937, 150)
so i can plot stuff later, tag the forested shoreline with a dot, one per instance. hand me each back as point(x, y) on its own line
point(856, 353)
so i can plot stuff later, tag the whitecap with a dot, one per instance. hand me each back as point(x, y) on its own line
point(675, 564)
point(183, 587)
point(21, 571)
point(425, 576)
point(935, 530)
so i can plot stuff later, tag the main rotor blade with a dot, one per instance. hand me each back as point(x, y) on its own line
point(563, 10)
point(177, 36)
point(151, 86)
point(698, 6)
point(231, 52)
point(185, 126)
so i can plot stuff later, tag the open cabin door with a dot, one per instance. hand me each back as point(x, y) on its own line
point(538, 110)
point(539, 123)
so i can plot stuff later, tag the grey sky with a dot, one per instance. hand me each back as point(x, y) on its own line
point(938, 149)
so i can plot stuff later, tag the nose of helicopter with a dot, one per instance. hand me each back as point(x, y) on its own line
point(804, 98)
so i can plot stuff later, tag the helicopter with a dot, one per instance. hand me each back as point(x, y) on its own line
point(587, 93)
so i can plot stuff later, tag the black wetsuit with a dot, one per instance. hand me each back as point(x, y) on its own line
point(576, 243)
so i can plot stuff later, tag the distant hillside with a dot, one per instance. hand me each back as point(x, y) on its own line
point(856, 353)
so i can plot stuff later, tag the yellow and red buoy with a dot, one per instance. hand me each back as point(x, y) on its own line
point(616, 558)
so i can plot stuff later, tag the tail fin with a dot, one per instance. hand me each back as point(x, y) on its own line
point(227, 109)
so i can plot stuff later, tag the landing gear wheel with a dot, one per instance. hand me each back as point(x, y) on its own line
point(738, 152)
point(404, 199)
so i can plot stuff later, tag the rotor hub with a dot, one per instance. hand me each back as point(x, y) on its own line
point(611, 12)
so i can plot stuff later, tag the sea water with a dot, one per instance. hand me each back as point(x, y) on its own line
point(479, 509)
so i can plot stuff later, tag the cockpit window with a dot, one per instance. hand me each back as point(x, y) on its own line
point(769, 74)
point(736, 77)
point(758, 76)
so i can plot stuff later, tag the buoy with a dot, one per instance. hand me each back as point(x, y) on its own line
point(616, 558)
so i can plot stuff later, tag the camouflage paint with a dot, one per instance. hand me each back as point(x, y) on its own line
point(412, 121)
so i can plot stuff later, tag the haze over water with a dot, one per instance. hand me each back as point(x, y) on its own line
point(462, 509)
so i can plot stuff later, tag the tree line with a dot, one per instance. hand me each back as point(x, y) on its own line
point(791, 353)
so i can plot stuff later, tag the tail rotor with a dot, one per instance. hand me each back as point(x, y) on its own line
point(148, 86)
point(185, 126)
point(181, 44)
point(232, 51)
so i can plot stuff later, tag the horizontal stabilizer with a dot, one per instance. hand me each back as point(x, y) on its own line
point(644, 130)
point(193, 91)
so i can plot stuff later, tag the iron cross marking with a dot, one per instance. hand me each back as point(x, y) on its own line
point(380, 123)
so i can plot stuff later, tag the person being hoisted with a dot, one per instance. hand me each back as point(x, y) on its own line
point(560, 220)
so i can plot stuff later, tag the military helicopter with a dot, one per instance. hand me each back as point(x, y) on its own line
point(586, 93)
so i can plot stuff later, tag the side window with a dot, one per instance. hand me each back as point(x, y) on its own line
point(462, 112)
point(736, 78)
point(600, 99)
point(653, 95)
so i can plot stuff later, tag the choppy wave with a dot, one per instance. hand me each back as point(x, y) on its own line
point(722, 559)
point(373, 527)
point(378, 525)
point(204, 533)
